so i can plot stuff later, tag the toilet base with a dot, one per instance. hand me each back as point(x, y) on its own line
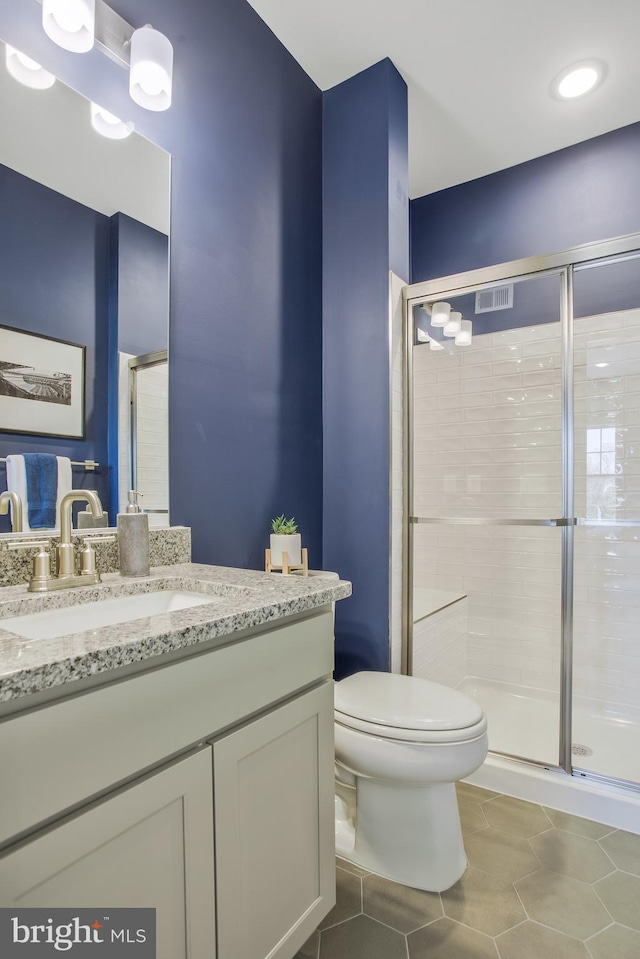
point(410, 834)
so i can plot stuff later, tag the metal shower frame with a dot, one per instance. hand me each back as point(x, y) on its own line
point(562, 265)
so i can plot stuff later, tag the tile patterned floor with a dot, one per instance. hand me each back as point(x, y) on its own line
point(539, 885)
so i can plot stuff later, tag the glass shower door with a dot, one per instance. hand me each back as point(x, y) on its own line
point(489, 508)
point(606, 644)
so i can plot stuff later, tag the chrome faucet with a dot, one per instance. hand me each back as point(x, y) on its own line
point(67, 572)
point(16, 509)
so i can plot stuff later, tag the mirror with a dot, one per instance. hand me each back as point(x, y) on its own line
point(83, 263)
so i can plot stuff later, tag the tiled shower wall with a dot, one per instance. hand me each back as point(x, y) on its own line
point(487, 443)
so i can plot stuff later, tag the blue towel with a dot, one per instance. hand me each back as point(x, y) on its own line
point(42, 489)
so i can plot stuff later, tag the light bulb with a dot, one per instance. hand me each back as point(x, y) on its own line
point(70, 23)
point(578, 79)
point(440, 314)
point(464, 336)
point(453, 324)
point(151, 69)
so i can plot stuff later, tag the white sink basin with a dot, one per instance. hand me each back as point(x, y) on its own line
point(108, 612)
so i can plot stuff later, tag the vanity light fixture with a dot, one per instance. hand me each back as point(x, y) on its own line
point(151, 69)
point(145, 52)
point(463, 338)
point(453, 325)
point(109, 125)
point(70, 23)
point(578, 79)
point(26, 71)
point(440, 313)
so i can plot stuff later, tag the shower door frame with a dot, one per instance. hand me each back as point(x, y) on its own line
point(559, 264)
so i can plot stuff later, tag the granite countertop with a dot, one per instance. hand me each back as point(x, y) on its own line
point(240, 599)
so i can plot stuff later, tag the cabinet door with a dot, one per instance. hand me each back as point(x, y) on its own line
point(149, 845)
point(274, 821)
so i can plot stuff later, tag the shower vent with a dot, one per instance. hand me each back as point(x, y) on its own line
point(497, 298)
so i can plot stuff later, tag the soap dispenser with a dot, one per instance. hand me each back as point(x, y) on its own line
point(133, 539)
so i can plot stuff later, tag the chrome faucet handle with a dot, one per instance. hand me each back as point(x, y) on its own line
point(87, 560)
point(31, 544)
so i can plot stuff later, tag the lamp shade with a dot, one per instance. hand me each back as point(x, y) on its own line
point(453, 325)
point(70, 23)
point(464, 336)
point(151, 69)
point(440, 314)
point(25, 70)
point(109, 125)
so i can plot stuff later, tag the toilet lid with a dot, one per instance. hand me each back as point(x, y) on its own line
point(405, 702)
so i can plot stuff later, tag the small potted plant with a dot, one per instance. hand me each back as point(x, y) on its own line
point(285, 538)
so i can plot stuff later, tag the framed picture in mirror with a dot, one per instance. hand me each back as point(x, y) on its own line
point(42, 383)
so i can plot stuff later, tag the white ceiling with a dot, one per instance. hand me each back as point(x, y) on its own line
point(478, 71)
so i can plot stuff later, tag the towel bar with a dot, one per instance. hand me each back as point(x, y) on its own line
point(86, 464)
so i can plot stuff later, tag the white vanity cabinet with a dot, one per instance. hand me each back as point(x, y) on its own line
point(203, 788)
point(149, 845)
point(274, 827)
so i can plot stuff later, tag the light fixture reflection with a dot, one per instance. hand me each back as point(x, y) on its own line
point(464, 336)
point(440, 313)
point(151, 69)
point(70, 23)
point(109, 125)
point(26, 71)
point(453, 324)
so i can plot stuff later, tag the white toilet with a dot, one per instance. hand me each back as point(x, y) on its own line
point(403, 742)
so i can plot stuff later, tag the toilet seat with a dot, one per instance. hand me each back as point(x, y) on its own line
point(407, 708)
point(413, 735)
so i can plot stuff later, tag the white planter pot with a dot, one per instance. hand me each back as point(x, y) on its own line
point(290, 544)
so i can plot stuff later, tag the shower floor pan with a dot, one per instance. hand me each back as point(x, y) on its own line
point(524, 722)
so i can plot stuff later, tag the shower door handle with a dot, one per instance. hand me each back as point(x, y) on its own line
point(490, 521)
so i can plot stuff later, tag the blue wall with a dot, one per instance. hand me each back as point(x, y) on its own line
point(245, 343)
point(140, 278)
point(583, 193)
point(365, 235)
point(54, 261)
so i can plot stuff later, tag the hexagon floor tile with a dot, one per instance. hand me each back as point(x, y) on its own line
point(562, 903)
point(532, 941)
point(620, 893)
point(483, 902)
point(362, 938)
point(502, 854)
point(615, 942)
point(445, 939)
point(541, 884)
point(348, 899)
point(624, 849)
point(514, 815)
point(571, 855)
point(398, 906)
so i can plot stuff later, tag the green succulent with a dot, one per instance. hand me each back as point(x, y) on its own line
point(284, 527)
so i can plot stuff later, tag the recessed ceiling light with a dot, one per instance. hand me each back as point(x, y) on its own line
point(578, 79)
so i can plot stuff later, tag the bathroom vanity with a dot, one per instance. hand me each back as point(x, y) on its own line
point(182, 760)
